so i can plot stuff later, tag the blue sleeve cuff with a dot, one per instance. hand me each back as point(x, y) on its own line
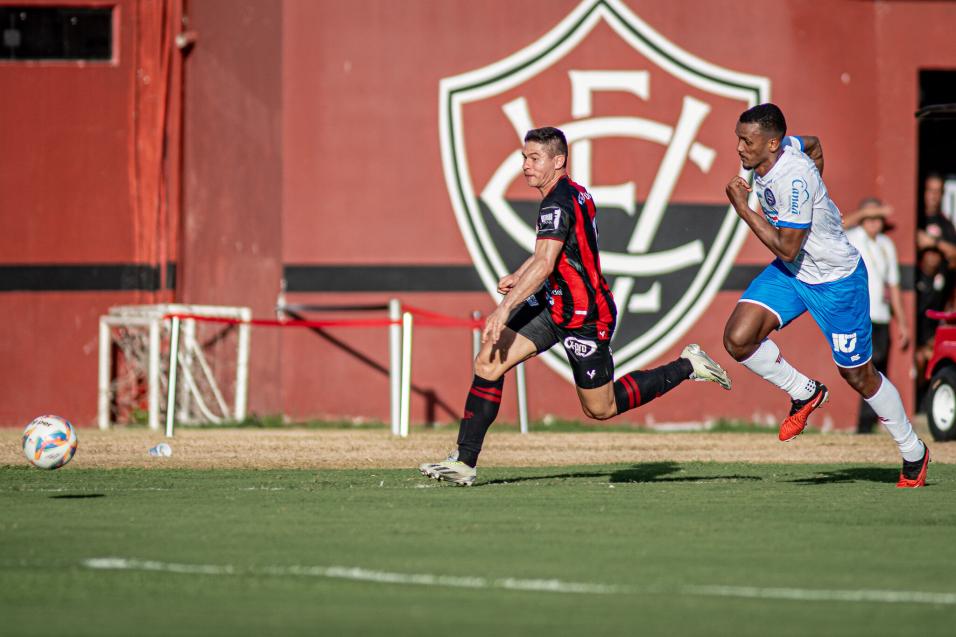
point(788, 224)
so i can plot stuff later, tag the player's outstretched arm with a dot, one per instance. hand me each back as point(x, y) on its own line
point(813, 149)
point(783, 242)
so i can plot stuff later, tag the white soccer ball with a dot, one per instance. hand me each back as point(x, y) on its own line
point(49, 442)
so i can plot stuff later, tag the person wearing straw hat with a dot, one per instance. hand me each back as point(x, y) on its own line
point(865, 228)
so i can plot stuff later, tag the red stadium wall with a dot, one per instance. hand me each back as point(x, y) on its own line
point(232, 172)
point(86, 221)
point(311, 146)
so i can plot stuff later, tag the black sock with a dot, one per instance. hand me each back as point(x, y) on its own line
point(641, 387)
point(481, 409)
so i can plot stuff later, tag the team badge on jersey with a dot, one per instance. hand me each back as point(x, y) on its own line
point(667, 235)
point(769, 198)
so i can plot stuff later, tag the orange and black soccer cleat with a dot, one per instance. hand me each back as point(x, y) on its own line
point(800, 410)
point(914, 473)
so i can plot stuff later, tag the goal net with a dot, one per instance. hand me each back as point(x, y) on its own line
point(134, 356)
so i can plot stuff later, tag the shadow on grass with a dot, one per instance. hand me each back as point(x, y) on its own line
point(644, 472)
point(852, 474)
point(77, 496)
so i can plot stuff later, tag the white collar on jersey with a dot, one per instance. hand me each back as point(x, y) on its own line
point(766, 178)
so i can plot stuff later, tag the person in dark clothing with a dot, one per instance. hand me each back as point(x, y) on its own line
point(933, 290)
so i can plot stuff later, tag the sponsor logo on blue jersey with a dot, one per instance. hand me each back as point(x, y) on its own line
point(798, 195)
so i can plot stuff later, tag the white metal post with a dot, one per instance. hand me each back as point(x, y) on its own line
point(242, 364)
point(103, 403)
point(173, 364)
point(395, 362)
point(522, 398)
point(406, 373)
point(152, 381)
point(187, 343)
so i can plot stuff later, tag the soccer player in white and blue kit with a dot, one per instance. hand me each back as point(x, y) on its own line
point(816, 270)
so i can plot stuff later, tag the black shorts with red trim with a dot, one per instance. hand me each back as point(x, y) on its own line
point(588, 347)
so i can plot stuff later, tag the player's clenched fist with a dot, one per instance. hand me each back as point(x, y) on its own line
point(738, 191)
point(506, 282)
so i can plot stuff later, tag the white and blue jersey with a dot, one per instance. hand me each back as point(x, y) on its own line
point(828, 278)
point(792, 195)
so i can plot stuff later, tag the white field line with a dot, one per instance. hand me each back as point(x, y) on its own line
point(803, 594)
point(353, 573)
point(511, 583)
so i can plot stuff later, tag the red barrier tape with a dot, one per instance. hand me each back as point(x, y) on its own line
point(941, 316)
point(417, 311)
point(429, 320)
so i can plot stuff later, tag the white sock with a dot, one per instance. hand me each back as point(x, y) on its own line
point(888, 405)
point(767, 363)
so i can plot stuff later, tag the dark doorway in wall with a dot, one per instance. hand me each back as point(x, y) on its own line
point(936, 125)
point(937, 132)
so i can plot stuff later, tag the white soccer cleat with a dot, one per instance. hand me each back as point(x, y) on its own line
point(705, 368)
point(451, 470)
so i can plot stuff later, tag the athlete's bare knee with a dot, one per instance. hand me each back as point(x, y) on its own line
point(863, 379)
point(739, 342)
point(487, 368)
point(853, 378)
point(603, 412)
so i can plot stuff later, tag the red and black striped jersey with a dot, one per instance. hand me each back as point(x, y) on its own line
point(576, 289)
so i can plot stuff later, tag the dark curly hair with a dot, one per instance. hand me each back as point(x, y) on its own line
point(768, 116)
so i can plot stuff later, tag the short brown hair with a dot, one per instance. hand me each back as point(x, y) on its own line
point(551, 137)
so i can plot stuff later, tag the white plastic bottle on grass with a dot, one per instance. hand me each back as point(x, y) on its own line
point(161, 450)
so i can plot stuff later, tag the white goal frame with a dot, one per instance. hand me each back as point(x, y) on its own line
point(154, 318)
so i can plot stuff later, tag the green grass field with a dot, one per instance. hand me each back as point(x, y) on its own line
point(651, 549)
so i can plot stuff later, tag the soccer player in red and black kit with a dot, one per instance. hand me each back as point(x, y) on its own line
point(559, 296)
